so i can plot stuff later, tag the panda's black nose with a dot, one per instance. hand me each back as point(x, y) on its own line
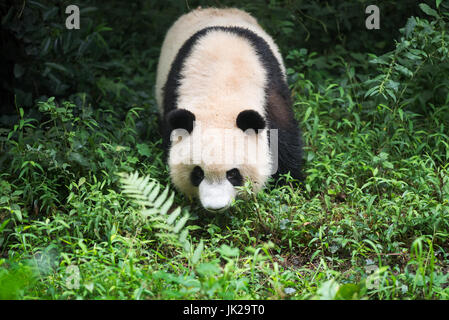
point(217, 210)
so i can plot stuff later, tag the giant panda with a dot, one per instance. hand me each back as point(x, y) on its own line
point(225, 107)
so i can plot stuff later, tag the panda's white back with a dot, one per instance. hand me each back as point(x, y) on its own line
point(187, 25)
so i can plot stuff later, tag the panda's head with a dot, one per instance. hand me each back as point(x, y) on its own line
point(210, 162)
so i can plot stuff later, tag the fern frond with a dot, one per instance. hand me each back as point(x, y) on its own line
point(146, 193)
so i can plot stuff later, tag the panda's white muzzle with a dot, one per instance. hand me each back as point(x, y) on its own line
point(216, 196)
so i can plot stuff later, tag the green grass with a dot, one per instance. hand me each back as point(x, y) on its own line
point(371, 220)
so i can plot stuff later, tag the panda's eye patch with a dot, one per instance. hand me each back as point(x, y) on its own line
point(196, 176)
point(234, 177)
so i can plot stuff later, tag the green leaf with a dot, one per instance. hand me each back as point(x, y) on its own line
point(154, 193)
point(328, 290)
point(82, 245)
point(428, 10)
point(383, 155)
point(175, 214)
point(57, 66)
point(45, 46)
point(81, 181)
point(186, 245)
point(18, 214)
point(160, 200)
point(183, 236)
point(438, 2)
point(228, 251)
point(401, 114)
point(89, 286)
point(349, 291)
point(197, 253)
point(391, 94)
point(403, 70)
point(4, 224)
point(307, 114)
point(143, 149)
point(388, 165)
point(148, 189)
point(410, 26)
point(164, 208)
point(180, 224)
point(393, 85)
point(372, 91)
point(207, 269)
point(149, 212)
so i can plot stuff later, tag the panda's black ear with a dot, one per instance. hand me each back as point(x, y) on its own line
point(180, 119)
point(250, 119)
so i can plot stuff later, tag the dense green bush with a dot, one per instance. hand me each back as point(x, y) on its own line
point(415, 73)
point(43, 58)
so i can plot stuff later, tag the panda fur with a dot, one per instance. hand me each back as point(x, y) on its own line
point(219, 70)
